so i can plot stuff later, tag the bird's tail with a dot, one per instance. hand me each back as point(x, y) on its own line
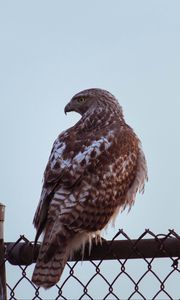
point(51, 261)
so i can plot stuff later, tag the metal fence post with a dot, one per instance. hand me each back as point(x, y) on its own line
point(3, 294)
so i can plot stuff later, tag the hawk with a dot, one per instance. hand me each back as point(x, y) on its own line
point(94, 171)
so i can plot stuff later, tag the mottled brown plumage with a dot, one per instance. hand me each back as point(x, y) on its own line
point(95, 169)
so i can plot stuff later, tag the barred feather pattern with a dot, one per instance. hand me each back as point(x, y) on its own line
point(94, 171)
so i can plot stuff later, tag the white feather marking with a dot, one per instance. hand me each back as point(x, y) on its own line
point(88, 150)
point(58, 150)
point(84, 194)
point(65, 163)
point(59, 196)
point(72, 198)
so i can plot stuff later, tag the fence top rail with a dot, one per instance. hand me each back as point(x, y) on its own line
point(118, 279)
point(24, 253)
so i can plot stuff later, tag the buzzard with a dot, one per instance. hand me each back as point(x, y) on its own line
point(94, 171)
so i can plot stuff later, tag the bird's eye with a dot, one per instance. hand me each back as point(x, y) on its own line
point(81, 99)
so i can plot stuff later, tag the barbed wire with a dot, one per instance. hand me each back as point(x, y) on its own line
point(123, 268)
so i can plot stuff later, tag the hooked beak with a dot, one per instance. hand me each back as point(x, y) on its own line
point(68, 108)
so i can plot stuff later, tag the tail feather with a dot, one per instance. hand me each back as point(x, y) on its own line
point(53, 255)
point(54, 252)
point(46, 274)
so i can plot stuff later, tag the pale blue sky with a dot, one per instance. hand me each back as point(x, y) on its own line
point(52, 49)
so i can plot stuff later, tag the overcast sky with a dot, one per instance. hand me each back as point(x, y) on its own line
point(49, 51)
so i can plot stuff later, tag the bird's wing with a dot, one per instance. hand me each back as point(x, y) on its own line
point(52, 177)
point(66, 168)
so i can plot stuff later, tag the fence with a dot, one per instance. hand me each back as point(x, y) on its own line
point(145, 268)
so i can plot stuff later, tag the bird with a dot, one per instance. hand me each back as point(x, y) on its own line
point(94, 171)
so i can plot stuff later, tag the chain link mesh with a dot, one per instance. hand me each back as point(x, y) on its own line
point(143, 278)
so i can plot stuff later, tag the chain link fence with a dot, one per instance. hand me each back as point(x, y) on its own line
point(145, 268)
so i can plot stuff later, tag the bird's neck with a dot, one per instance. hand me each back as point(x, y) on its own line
point(98, 118)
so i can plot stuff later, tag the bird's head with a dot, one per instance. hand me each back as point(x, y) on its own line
point(87, 99)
